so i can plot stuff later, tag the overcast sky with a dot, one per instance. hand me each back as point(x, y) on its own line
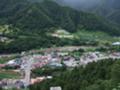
point(80, 3)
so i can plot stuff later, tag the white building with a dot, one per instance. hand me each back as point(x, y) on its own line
point(55, 88)
point(116, 44)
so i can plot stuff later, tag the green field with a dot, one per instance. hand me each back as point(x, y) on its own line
point(94, 35)
point(9, 74)
point(6, 59)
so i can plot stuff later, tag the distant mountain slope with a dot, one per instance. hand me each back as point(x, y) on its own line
point(107, 8)
point(110, 9)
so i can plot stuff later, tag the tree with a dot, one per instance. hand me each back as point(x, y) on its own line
point(116, 73)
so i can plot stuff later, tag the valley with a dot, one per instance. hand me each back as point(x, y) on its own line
point(51, 45)
point(44, 63)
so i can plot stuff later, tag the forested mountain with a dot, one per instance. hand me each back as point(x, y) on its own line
point(107, 8)
point(110, 9)
point(27, 24)
point(26, 15)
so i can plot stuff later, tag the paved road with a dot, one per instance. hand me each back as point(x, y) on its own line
point(65, 48)
point(85, 62)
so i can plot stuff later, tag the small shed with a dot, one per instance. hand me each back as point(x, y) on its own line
point(55, 88)
point(116, 44)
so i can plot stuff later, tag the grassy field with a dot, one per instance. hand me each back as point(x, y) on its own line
point(86, 35)
point(95, 36)
point(61, 33)
point(8, 74)
point(6, 59)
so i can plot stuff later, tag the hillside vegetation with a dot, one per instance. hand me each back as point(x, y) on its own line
point(109, 9)
point(27, 24)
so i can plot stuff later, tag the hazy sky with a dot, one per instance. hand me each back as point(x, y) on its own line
point(80, 3)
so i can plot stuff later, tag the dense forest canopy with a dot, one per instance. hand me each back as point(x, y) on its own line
point(109, 9)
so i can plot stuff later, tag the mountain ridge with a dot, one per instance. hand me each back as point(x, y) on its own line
point(105, 8)
point(50, 14)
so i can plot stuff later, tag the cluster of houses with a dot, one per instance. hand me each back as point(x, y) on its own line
point(53, 60)
point(19, 83)
point(90, 57)
point(10, 83)
point(39, 61)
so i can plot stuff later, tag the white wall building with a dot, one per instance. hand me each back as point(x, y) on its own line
point(116, 44)
point(55, 88)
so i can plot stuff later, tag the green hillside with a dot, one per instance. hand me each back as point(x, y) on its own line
point(107, 8)
point(30, 22)
point(26, 15)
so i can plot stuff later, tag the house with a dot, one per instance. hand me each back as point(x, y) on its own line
point(37, 80)
point(19, 84)
point(14, 63)
point(2, 65)
point(55, 88)
point(54, 65)
point(49, 77)
point(10, 83)
point(71, 63)
point(11, 62)
point(62, 53)
point(116, 44)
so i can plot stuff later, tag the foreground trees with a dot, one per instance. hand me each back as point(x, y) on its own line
point(103, 75)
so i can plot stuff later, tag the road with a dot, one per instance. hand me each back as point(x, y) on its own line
point(85, 62)
point(65, 48)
